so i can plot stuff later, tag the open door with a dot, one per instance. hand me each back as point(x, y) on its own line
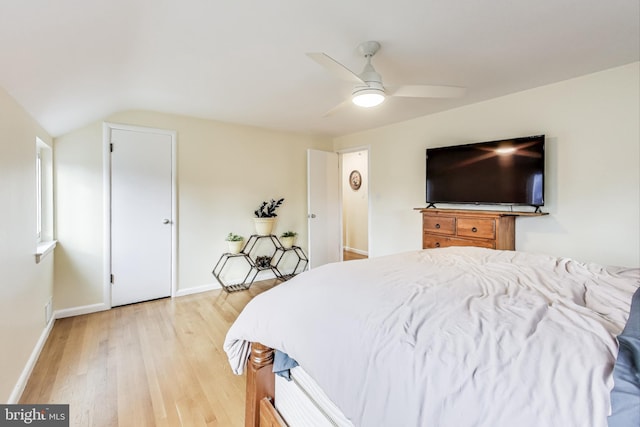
point(324, 213)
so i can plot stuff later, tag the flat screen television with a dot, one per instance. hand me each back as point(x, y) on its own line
point(505, 172)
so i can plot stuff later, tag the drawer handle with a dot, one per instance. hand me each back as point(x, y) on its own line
point(437, 244)
point(437, 225)
point(474, 229)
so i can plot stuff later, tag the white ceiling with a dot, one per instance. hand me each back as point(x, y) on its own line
point(72, 62)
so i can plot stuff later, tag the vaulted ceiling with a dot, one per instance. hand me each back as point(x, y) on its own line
point(71, 62)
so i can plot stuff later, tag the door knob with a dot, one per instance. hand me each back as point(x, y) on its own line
point(166, 221)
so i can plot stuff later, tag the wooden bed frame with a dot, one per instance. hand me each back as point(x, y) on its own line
point(260, 388)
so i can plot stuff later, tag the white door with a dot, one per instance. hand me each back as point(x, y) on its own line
point(141, 216)
point(323, 198)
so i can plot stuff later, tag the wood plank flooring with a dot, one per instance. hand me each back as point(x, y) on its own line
point(158, 363)
point(349, 256)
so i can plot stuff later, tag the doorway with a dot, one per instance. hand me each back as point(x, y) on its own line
point(140, 213)
point(338, 205)
point(355, 203)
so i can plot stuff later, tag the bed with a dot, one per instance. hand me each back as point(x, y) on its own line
point(458, 336)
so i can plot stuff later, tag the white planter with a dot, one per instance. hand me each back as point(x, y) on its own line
point(288, 242)
point(264, 226)
point(235, 247)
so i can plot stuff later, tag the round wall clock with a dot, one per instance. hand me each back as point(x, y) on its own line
point(355, 180)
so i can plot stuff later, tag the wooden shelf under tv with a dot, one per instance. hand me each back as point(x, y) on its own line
point(461, 227)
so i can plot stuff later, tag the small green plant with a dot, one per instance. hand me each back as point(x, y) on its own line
point(234, 238)
point(268, 209)
point(289, 234)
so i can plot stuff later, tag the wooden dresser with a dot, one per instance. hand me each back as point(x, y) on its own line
point(487, 229)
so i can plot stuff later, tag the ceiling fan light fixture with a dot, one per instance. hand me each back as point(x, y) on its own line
point(369, 97)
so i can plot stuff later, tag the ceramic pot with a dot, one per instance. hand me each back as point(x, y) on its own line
point(288, 242)
point(235, 247)
point(264, 226)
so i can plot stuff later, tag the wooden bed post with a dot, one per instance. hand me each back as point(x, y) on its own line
point(260, 382)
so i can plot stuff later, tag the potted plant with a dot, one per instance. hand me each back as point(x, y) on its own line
point(235, 242)
point(288, 239)
point(265, 216)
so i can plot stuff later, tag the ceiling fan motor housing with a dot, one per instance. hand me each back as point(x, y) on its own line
point(371, 85)
point(370, 76)
point(372, 92)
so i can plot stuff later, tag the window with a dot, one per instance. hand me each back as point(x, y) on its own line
point(44, 200)
point(39, 192)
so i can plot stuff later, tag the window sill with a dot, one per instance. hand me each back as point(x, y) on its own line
point(44, 248)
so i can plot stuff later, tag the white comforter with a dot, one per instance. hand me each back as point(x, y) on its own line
point(450, 337)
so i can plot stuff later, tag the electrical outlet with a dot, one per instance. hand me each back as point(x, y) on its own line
point(48, 311)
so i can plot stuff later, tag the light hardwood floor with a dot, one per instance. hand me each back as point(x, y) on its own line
point(158, 363)
point(349, 256)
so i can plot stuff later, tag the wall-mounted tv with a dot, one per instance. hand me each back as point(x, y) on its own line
point(505, 172)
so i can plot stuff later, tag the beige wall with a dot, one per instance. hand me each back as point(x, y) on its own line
point(79, 218)
point(25, 287)
point(593, 166)
point(224, 172)
point(355, 225)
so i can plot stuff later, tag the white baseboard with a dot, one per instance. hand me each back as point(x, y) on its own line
point(356, 251)
point(16, 394)
point(262, 275)
point(33, 358)
point(77, 311)
point(197, 289)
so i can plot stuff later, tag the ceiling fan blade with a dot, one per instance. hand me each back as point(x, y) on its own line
point(429, 91)
point(344, 104)
point(334, 67)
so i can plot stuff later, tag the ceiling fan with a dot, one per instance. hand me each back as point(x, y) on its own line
point(369, 90)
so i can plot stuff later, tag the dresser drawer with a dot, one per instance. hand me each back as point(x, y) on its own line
point(430, 241)
point(439, 224)
point(462, 227)
point(481, 228)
